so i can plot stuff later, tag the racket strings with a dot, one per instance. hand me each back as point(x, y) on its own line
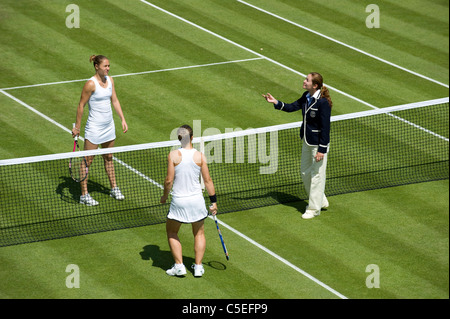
point(78, 166)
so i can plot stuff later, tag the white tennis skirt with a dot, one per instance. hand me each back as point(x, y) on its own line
point(99, 133)
point(188, 209)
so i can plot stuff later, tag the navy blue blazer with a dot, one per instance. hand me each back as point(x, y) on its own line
point(316, 120)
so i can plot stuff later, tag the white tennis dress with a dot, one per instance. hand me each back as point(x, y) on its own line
point(188, 204)
point(100, 124)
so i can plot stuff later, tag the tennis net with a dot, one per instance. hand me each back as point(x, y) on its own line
point(250, 168)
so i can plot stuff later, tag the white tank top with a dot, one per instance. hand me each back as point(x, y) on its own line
point(187, 175)
point(100, 111)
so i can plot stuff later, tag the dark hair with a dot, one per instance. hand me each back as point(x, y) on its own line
point(97, 59)
point(188, 128)
point(317, 79)
point(183, 133)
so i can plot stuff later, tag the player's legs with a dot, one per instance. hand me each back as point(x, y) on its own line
point(87, 147)
point(172, 228)
point(198, 229)
point(109, 164)
point(109, 168)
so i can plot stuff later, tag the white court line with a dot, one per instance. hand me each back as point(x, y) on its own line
point(254, 52)
point(283, 260)
point(230, 228)
point(32, 109)
point(344, 44)
point(262, 56)
point(136, 73)
point(81, 138)
point(162, 187)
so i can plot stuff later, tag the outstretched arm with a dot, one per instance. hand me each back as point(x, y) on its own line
point(292, 107)
point(269, 98)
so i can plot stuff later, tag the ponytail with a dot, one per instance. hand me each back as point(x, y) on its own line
point(317, 79)
point(326, 94)
point(185, 134)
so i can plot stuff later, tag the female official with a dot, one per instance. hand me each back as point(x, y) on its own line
point(188, 205)
point(316, 105)
point(99, 92)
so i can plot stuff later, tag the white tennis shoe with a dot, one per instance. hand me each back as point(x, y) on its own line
point(325, 203)
point(198, 270)
point(176, 270)
point(310, 214)
point(116, 193)
point(88, 200)
point(313, 213)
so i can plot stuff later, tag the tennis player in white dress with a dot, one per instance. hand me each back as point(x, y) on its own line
point(188, 205)
point(99, 92)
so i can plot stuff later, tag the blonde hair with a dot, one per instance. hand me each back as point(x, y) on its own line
point(318, 80)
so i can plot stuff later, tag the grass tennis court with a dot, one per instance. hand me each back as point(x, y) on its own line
point(177, 62)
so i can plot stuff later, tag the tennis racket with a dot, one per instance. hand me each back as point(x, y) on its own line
point(221, 239)
point(78, 167)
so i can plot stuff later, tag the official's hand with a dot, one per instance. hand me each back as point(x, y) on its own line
point(319, 156)
point(269, 98)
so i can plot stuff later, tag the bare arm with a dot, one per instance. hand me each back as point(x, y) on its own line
point(168, 183)
point(115, 102)
point(209, 185)
point(88, 89)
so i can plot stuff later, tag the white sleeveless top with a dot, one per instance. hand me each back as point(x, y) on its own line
point(188, 204)
point(100, 103)
point(100, 124)
point(187, 175)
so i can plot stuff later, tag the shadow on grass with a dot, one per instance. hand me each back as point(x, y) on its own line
point(163, 259)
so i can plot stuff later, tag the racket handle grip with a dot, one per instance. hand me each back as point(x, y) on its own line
point(76, 136)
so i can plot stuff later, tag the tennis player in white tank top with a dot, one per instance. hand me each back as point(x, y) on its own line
point(100, 124)
point(188, 205)
point(99, 92)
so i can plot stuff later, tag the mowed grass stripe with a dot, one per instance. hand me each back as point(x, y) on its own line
point(345, 21)
point(364, 77)
point(383, 227)
point(103, 31)
point(141, 256)
point(199, 94)
point(26, 133)
point(399, 272)
point(401, 287)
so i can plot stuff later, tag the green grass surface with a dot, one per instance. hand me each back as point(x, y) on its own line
point(403, 230)
point(387, 227)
